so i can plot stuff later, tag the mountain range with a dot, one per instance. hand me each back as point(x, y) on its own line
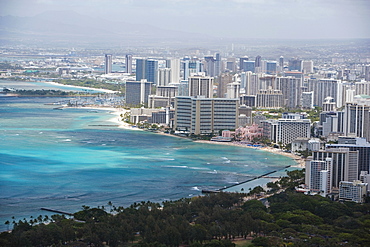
point(69, 27)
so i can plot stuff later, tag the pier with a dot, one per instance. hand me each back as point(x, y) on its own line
point(56, 211)
point(266, 175)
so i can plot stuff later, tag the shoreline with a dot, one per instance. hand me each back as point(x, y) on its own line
point(80, 87)
point(300, 162)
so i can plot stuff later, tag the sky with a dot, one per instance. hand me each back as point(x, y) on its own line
point(282, 19)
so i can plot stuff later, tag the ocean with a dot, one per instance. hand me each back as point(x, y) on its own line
point(64, 159)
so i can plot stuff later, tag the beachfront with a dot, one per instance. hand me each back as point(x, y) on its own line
point(118, 120)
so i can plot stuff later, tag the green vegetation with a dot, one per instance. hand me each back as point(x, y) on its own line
point(41, 92)
point(92, 84)
point(313, 114)
point(292, 219)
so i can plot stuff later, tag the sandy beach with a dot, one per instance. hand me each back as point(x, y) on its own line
point(87, 88)
point(120, 111)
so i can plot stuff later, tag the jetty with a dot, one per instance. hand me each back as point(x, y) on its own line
point(56, 211)
point(266, 175)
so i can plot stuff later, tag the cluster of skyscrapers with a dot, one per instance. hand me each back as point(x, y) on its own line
point(205, 96)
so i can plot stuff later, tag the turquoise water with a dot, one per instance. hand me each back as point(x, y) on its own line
point(60, 159)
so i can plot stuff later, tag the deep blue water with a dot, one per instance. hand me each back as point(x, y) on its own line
point(60, 159)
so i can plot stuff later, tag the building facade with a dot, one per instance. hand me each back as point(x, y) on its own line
point(108, 63)
point(137, 92)
point(201, 85)
point(200, 115)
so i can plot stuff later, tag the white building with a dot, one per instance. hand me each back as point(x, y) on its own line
point(174, 65)
point(233, 90)
point(357, 120)
point(286, 130)
point(201, 86)
point(164, 76)
point(318, 176)
point(352, 191)
point(324, 88)
point(344, 164)
point(307, 67)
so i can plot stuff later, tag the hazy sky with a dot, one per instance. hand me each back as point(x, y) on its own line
point(223, 18)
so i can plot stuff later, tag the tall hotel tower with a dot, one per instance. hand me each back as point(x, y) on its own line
point(201, 85)
point(108, 64)
point(129, 63)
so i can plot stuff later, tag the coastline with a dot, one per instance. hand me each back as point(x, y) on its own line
point(87, 88)
point(118, 111)
point(261, 181)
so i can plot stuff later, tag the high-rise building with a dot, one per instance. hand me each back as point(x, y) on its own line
point(362, 87)
point(357, 120)
point(191, 67)
point(129, 63)
point(137, 92)
point(201, 85)
point(344, 164)
point(199, 115)
point(249, 66)
point(223, 80)
point(286, 130)
point(174, 65)
point(245, 78)
point(210, 66)
point(147, 69)
point(271, 67)
point(151, 71)
point(307, 67)
point(269, 98)
point(241, 62)
point(367, 73)
point(291, 88)
point(108, 64)
point(266, 82)
point(218, 64)
point(331, 122)
point(318, 176)
point(295, 64)
point(258, 62)
point(307, 100)
point(233, 90)
point(164, 97)
point(164, 76)
point(281, 63)
point(140, 69)
point(355, 144)
point(324, 88)
point(231, 64)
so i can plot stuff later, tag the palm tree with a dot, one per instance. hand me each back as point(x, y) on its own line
point(7, 223)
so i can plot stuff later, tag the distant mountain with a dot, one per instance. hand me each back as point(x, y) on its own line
point(72, 28)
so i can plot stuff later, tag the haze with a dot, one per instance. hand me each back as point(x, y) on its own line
point(275, 19)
